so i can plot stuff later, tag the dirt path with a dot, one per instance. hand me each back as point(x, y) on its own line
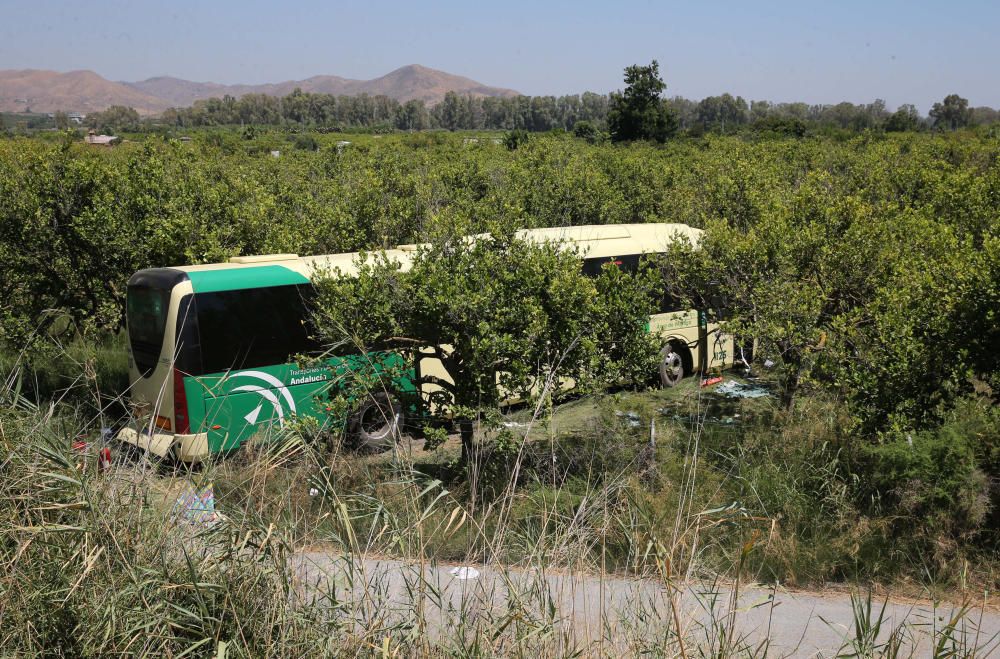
point(612, 615)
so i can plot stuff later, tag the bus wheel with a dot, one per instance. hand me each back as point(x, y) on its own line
point(376, 423)
point(672, 365)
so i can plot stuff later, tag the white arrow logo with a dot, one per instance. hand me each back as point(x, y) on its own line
point(267, 394)
point(252, 417)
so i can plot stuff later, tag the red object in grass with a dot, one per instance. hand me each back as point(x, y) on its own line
point(80, 446)
point(104, 458)
point(708, 382)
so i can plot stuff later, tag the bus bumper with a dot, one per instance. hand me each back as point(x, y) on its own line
point(186, 448)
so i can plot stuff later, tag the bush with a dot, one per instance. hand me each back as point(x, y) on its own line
point(515, 138)
point(777, 125)
point(941, 481)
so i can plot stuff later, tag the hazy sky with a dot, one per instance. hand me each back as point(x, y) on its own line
point(904, 52)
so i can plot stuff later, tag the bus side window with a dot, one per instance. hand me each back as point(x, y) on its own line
point(253, 327)
point(668, 303)
point(664, 300)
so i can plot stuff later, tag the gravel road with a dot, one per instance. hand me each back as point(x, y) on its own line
point(614, 615)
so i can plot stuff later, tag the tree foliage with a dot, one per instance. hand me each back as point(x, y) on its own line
point(505, 317)
point(951, 113)
point(886, 245)
point(640, 112)
point(886, 297)
point(906, 118)
point(116, 118)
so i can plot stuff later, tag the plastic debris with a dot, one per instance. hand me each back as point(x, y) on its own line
point(195, 505)
point(631, 418)
point(696, 420)
point(464, 573)
point(734, 389)
point(313, 491)
point(708, 382)
point(514, 424)
point(103, 459)
point(768, 363)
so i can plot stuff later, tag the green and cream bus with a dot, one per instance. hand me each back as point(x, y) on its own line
point(212, 347)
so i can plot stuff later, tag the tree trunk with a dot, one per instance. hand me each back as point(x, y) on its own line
point(470, 461)
point(466, 431)
point(791, 386)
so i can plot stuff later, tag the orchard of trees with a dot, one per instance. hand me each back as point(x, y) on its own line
point(883, 245)
point(866, 266)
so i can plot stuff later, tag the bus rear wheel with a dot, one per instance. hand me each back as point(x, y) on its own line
point(674, 364)
point(377, 423)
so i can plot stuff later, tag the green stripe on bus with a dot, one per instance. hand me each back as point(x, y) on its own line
point(234, 279)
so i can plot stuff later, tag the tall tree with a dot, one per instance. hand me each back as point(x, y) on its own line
point(953, 112)
point(115, 118)
point(903, 119)
point(720, 112)
point(640, 112)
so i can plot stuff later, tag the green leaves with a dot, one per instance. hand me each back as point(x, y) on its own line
point(885, 245)
point(509, 315)
point(639, 113)
point(861, 279)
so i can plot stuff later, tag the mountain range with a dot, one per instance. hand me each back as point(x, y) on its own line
point(86, 91)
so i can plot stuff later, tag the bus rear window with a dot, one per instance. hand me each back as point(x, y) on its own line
point(146, 314)
point(253, 327)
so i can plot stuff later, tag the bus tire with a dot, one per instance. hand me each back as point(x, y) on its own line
point(377, 423)
point(675, 363)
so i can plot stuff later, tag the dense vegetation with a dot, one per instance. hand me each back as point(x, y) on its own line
point(640, 111)
point(867, 266)
point(719, 114)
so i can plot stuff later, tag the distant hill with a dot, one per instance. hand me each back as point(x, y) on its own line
point(76, 91)
point(86, 91)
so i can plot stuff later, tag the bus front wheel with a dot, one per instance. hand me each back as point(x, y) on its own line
point(673, 365)
point(377, 422)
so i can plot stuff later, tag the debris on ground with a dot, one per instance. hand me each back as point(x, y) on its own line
point(104, 459)
point(734, 389)
point(631, 418)
point(464, 572)
point(196, 505)
point(708, 382)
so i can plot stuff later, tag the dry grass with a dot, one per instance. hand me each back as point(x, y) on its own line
point(331, 554)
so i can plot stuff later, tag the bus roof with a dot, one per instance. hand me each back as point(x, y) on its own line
point(594, 241)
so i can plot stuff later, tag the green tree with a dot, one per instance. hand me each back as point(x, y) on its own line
point(115, 118)
point(724, 112)
point(452, 112)
point(640, 112)
point(906, 118)
point(951, 113)
point(412, 115)
point(514, 315)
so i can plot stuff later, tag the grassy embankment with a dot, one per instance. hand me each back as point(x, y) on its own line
point(674, 485)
